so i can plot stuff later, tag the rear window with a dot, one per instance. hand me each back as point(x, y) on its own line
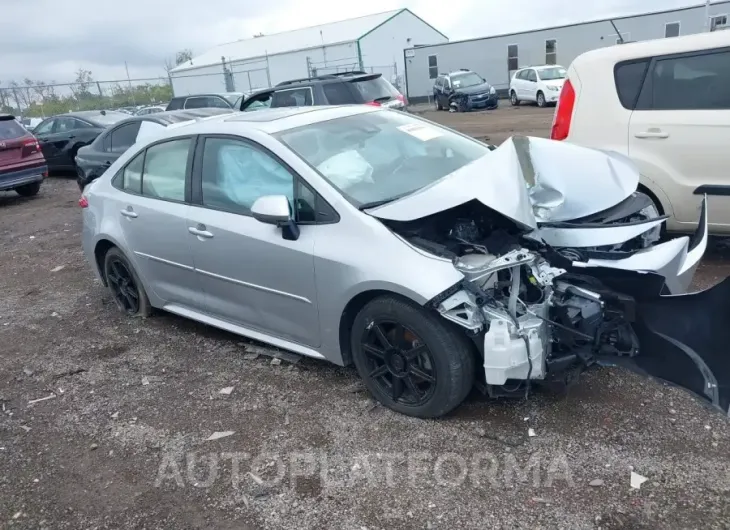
point(337, 93)
point(10, 129)
point(629, 77)
point(377, 89)
point(176, 104)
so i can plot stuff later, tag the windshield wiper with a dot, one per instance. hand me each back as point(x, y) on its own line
point(375, 204)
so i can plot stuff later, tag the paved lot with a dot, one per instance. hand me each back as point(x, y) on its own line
point(122, 444)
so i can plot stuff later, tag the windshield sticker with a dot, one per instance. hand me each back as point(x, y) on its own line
point(422, 132)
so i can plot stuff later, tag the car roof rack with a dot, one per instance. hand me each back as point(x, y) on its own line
point(323, 77)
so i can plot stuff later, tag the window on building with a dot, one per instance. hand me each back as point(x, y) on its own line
point(433, 67)
point(671, 29)
point(691, 82)
point(718, 22)
point(551, 51)
point(513, 60)
point(629, 77)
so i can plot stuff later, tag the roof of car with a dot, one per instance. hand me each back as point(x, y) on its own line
point(221, 94)
point(90, 114)
point(269, 121)
point(169, 117)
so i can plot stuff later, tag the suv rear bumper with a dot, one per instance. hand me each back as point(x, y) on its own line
point(20, 177)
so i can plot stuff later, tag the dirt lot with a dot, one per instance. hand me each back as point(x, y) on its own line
point(122, 442)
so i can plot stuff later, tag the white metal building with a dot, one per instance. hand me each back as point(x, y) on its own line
point(373, 43)
point(496, 58)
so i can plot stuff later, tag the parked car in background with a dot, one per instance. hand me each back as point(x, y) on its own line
point(361, 235)
point(666, 104)
point(92, 160)
point(537, 84)
point(462, 91)
point(22, 165)
point(344, 88)
point(61, 136)
point(224, 100)
point(30, 123)
point(152, 109)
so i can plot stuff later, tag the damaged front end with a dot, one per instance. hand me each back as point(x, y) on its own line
point(553, 284)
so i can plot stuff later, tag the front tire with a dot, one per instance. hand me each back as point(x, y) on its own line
point(124, 285)
point(29, 190)
point(410, 359)
point(541, 100)
point(513, 98)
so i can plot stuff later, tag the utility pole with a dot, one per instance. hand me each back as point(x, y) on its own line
point(129, 80)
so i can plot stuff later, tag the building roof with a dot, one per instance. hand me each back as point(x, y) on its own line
point(312, 37)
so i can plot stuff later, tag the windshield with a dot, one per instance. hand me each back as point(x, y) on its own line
point(377, 157)
point(548, 74)
point(466, 80)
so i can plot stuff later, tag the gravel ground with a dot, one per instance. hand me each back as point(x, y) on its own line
point(123, 441)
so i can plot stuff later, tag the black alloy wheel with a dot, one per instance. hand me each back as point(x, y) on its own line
point(123, 285)
point(399, 363)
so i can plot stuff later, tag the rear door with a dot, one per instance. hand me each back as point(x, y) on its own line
point(44, 135)
point(153, 213)
point(679, 133)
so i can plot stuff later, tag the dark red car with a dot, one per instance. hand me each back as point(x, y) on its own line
point(22, 164)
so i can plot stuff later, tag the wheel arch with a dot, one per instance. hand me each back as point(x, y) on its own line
point(101, 248)
point(352, 308)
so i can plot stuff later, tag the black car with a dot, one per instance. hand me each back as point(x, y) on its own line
point(226, 100)
point(62, 136)
point(462, 91)
point(343, 88)
point(92, 160)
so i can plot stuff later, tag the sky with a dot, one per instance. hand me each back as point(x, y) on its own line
point(50, 40)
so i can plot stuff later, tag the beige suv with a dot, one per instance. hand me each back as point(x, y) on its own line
point(666, 104)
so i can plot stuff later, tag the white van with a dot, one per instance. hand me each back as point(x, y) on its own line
point(666, 104)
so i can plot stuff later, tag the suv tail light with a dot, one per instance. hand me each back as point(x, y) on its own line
point(563, 112)
point(374, 103)
point(30, 146)
point(402, 99)
point(83, 202)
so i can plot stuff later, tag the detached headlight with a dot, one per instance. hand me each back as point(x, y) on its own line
point(553, 88)
point(492, 91)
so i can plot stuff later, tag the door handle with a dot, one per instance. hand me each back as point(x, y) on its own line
point(200, 232)
point(129, 213)
point(652, 133)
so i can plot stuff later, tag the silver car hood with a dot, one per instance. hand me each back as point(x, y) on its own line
point(529, 180)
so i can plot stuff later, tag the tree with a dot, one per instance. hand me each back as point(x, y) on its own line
point(180, 57)
point(80, 86)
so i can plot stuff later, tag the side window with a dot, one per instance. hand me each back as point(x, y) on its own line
point(262, 101)
point(309, 207)
point(106, 145)
point(64, 125)
point(691, 82)
point(176, 104)
point(196, 103)
point(79, 124)
point(532, 76)
point(337, 93)
point(45, 128)
point(447, 83)
point(165, 167)
point(218, 103)
point(236, 173)
point(629, 77)
point(295, 97)
point(132, 175)
point(124, 137)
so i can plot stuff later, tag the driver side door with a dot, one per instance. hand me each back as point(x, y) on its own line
point(250, 274)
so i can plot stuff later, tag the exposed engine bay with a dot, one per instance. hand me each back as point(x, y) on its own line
point(533, 311)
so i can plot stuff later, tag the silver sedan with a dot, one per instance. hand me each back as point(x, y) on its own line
point(428, 259)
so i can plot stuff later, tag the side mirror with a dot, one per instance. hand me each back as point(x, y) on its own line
point(276, 210)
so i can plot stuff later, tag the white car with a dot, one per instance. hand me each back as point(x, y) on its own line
point(665, 104)
point(538, 84)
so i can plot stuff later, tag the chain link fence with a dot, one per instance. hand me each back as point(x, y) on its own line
point(43, 100)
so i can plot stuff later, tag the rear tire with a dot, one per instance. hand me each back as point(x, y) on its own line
point(29, 190)
point(438, 104)
point(513, 98)
point(410, 359)
point(124, 285)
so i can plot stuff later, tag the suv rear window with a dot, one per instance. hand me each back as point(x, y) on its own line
point(629, 77)
point(9, 129)
point(377, 89)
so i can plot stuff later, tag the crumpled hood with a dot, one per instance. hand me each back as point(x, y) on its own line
point(529, 180)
